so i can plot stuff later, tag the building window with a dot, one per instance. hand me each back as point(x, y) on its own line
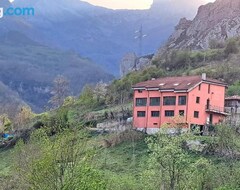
point(199, 87)
point(181, 112)
point(155, 113)
point(209, 88)
point(169, 100)
point(196, 114)
point(182, 100)
point(141, 113)
point(198, 100)
point(169, 113)
point(141, 101)
point(140, 91)
point(154, 101)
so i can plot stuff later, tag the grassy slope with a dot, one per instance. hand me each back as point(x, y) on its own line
point(123, 165)
point(6, 162)
point(126, 158)
point(227, 69)
point(219, 63)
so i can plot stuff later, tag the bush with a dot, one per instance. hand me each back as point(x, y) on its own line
point(234, 89)
point(126, 136)
point(215, 44)
point(231, 47)
point(197, 57)
point(214, 55)
point(62, 162)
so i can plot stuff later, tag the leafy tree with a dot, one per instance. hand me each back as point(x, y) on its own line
point(87, 98)
point(200, 175)
point(231, 47)
point(69, 101)
point(177, 60)
point(60, 163)
point(23, 117)
point(234, 89)
point(5, 123)
point(197, 57)
point(228, 142)
point(168, 159)
point(56, 122)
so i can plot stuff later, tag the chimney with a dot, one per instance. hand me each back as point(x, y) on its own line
point(204, 76)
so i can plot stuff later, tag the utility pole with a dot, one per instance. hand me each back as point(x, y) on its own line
point(139, 36)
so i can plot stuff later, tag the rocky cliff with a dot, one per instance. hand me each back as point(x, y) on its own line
point(214, 21)
point(130, 62)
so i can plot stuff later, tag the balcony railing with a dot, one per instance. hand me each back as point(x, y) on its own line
point(216, 109)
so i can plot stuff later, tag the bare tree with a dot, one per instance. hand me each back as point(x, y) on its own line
point(23, 117)
point(60, 91)
point(100, 91)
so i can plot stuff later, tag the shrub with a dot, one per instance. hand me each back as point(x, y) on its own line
point(234, 89)
point(215, 44)
point(231, 47)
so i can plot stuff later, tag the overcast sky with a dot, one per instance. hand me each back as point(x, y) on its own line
point(126, 4)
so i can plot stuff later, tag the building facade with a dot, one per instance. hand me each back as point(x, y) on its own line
point(232, 104)
point(178, 101)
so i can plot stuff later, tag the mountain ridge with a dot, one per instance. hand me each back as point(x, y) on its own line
point(103, 35)
point(214, 21)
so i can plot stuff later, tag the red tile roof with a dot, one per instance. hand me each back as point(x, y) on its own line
point(176, 83)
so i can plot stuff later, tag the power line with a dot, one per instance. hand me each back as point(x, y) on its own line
point(139, 36)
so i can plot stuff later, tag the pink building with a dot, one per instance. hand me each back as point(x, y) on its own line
point(178, 101)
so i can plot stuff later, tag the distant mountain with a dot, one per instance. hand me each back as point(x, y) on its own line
point(35, 49)
point(215, 21)
point(29, 68)
point(101, 34)
point(5, 3)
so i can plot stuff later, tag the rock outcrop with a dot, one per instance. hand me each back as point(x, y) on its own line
point(219, 21)
point(130, 62)
point(127, 63)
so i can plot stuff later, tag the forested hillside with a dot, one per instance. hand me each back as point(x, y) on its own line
point(29, 68)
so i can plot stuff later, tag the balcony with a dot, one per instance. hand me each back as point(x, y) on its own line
point(216, 109)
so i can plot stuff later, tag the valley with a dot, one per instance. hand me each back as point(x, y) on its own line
point(170, 122)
